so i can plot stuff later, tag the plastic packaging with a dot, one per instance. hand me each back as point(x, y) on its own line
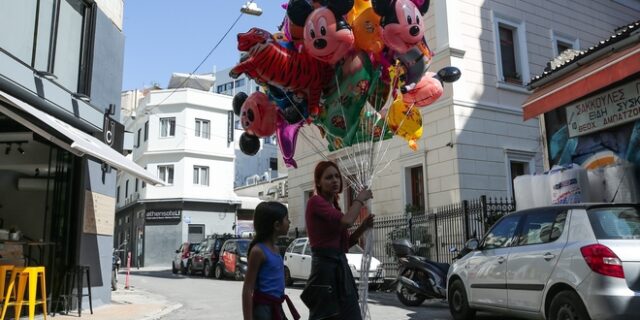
point(569, 184)
point(522, 190)
point(541, 190)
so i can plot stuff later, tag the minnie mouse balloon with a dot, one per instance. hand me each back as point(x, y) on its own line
point(258, 114)
point(327, 36)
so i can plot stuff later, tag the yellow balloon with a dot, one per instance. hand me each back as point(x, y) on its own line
point(365, 24)
point(405, 121)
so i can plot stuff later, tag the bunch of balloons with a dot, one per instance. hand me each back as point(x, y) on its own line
point(357, 69)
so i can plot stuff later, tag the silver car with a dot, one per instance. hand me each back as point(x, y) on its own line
point(560, 262)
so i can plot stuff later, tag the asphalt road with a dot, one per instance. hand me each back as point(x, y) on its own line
point(221, 299)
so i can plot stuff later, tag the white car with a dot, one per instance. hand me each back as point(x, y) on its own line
point(297, 263)
point(574, 262)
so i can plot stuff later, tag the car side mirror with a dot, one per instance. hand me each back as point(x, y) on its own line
point(472, 244)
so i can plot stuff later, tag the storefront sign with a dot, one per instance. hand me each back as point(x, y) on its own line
point(171, 215)
point(608, 109)
point(230, 126)
point(113, 133)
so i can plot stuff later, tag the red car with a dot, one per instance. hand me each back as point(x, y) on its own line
point(233, 259)
point(183, 256)
point(206, 259)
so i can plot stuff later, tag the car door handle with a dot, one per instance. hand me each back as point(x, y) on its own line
point(500, 259)
point(304, 258)
point(548, 256)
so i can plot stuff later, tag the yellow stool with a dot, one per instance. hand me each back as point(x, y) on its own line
point(4, 269)
point(31, 275)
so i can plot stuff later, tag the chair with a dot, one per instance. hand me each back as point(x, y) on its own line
point(26, 275)
point(5, 270)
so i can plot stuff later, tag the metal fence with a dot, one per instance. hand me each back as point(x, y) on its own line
point(434, 233)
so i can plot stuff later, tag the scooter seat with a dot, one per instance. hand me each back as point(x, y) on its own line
point(444, 267)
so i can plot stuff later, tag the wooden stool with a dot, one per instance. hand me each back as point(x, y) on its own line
point(30, 275)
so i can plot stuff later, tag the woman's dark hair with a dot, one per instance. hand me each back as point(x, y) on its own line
point(321, 167)
point(266, 214)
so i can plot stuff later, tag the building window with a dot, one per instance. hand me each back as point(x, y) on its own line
point(273, 164)
point(271, 140)
point(417, 189)
point(167, 127)
point(118, 194)
point(146, 131)
point(237, 124)
point(127, 219)
point(126, 189)
point(560, 43)
point(201, 175)
point(511, 50)
point(203, 128)
point(518, 163)
point(165, 173)
point(144, 184)
point(220, 88)
point(240, 83)
point(62, 46)
point(138, 138)
point(136, 186)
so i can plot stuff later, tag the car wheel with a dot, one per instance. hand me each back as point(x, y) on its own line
point(458, 302)
point(173, 268)
point(567, 305)
point(207, 270)
point(287, 277)
point(218, 272)
point(183, 269)
point(238, 275)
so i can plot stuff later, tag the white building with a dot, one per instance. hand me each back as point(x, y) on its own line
point(183, 134)
point(475, 141)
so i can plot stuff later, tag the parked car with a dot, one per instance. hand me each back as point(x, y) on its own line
point(558, 262)
point(297, 263)
point(207, 257)
point(183, 256)
point(233, 259)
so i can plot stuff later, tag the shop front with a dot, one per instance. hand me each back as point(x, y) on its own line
point(589, 107)
point(57, 200)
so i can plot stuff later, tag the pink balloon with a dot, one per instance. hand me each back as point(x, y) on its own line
point(287, 137)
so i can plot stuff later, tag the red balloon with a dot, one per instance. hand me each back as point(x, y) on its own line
point(258, 115)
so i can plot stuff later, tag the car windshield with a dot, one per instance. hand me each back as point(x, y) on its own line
point(356, 249)
point(615, 223)
point(243, 247)
point(193, 247)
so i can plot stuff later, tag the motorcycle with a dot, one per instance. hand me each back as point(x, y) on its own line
point(115, 267)
point(420, 278)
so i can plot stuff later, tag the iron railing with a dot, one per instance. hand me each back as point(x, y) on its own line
point(433, 234)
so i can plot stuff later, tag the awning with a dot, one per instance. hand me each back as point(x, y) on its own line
point(586, 80)
point(79, 142)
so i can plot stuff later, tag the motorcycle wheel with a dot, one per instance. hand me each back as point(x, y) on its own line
point(408, 297)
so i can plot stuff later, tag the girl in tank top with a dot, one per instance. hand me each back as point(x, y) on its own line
point(263, 290)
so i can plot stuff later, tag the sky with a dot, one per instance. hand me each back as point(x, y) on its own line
point(167, 36)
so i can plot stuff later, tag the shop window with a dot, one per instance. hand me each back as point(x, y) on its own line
point(203, 128)
point(165, 173)
point(201, 175)
point(60, 46)
point(146, 131)
point(167, 127)
point(511, 53)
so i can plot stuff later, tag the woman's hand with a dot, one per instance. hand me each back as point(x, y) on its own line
point(364, 195)
point(367, 223)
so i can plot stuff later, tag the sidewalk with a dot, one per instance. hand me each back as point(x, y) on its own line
point(131, 304)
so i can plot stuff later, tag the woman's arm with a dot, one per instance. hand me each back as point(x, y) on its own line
point(350, 217)
point(256, 258)
point(366, 224)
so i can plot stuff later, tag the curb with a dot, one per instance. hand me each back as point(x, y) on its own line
point(163, 312)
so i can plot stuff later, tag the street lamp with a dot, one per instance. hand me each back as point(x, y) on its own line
point(251, 8)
